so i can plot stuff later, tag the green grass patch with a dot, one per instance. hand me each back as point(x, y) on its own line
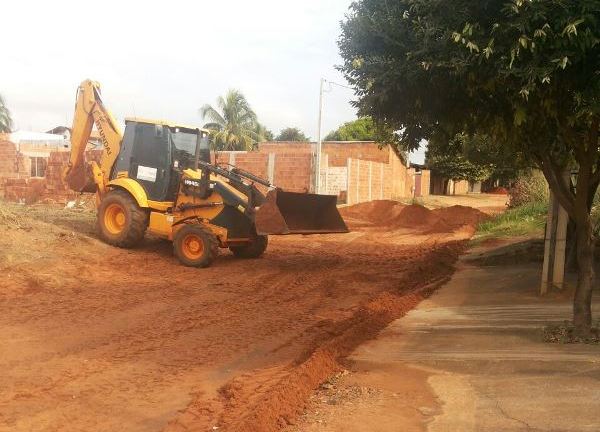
point(528, 219)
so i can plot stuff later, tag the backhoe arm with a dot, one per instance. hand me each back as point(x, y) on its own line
point(89, 110)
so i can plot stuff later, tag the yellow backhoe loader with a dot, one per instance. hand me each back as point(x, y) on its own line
point(157, 177)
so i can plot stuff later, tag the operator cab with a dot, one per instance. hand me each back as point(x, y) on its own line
point(155, 153)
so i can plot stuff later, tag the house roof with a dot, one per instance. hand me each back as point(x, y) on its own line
point(59, 130)
point(163, 123)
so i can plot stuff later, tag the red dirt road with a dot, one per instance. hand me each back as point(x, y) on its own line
point(94, 338)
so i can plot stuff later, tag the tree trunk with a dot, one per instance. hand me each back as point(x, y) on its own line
point(582, 304)
point(571, 259)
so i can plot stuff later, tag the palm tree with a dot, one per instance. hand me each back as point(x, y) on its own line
point(263, 133)
point(233, 124)
point(6, 122)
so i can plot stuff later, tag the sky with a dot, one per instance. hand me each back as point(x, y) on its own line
point(165, 60)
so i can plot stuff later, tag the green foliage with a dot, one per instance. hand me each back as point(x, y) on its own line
point(291, 134)
point(362, 129)
point(464, 157)
point(432, 68)
point(529, 188)
point(263, 133)
point(6, 122)
point(233, 125)
point(457, 167)
point(528, 219)
point(523, 72)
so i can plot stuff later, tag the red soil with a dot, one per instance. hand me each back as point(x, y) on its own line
point(498, 191)
point(99, 338)
point(391, 215)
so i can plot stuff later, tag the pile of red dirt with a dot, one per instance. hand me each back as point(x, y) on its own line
point(388, 214)
point(498, 191)
point(460, 215)
point(392, 215)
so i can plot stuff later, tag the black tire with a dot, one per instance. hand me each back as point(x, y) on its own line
point(201, 255)
point(254, 249)
point(120, 221)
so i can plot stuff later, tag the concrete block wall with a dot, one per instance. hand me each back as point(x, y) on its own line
point(334, 179)
point(368, 180)
point(460, 187)
point(425, 182)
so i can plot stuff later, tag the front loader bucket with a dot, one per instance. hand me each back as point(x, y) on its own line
point(298, 213)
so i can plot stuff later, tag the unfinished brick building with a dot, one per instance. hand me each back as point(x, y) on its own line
point(354, 171)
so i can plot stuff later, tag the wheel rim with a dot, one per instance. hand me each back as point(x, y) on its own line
point(115, 219)
point(192, 247)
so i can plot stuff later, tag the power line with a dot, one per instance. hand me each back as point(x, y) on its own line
point(339, 85)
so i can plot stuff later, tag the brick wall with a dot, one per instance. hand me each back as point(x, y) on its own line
point(367, 151)
point(293, 172)
point(12, 164)
point(358, 171)
point(26, 190)
point(338, 152)
point(56, 189)
point(287, 170)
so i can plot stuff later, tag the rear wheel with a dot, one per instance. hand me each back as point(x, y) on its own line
point(254, 249)
point(195, 245)
point(121, 222)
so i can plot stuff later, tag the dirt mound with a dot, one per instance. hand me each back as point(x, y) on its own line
point(394, 215)
point(388, 214)
point(460, 215)
point(373, 212)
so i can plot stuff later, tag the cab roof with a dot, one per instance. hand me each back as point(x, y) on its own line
point(163, 123)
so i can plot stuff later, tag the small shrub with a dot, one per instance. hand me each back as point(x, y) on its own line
point(531, 188)
point(526, 219)
point(566, 333)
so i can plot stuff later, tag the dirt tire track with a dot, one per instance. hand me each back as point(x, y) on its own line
point(99, 338)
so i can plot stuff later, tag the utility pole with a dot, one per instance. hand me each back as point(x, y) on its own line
point(319, 141)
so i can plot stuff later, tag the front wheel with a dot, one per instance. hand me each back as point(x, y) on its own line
point(195, 246)
point(121, 222)
point(254, 249)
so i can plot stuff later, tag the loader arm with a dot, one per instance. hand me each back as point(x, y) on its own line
point(80, 175)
